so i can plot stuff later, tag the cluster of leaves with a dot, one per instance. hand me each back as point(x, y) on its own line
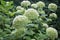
point(35, 29)
point(6, 16)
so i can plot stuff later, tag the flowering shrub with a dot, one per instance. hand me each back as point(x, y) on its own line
point(39, 21)
point(31, 22)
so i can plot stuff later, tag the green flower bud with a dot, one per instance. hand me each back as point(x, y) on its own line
point(21, 11)
point(52, 33)
point(31, 13)
point(43, 16)
point(20, 21)
point(45, 25)
point(53, 16)
point(52, 7)
point(25, 3)
point(18, 8)
point(34, 6)
point(42, 12)
point(19, 32)
point(40, 4)
point(40, 20)
point(49, 20)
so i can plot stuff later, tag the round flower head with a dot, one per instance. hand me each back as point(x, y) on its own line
point(33, 5)
point(52, 33)
point(25, 3)
point(45, 25)
point(52, 7)
point(18, 8)
point(20, 21)
point(53, 16)
point(40, 4)
point(19, 32)
point(31, 14)
point(21, 11)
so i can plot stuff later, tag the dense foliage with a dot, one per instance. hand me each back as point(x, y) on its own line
point(29, 20)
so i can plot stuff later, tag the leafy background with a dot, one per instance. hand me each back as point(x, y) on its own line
point(6, 16)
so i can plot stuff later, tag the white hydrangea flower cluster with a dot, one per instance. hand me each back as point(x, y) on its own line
point(20, 21)
point(40, 4)
point(52, 33)
point(25, 3)
point(31, 13)
point(20, 10)
point(53, 16)
point(52, 7)
point(45, 25)
point(34, 5)
point(19, 32)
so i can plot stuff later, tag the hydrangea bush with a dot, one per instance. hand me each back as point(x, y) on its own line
point(31, 22)
point(37, 28)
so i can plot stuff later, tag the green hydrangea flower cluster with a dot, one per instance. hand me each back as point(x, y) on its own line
point(34, 21)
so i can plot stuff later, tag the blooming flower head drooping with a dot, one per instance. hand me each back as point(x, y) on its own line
point(20, 21)
point(52, 7)
point(52, 33)
point(40, 4)
point(25, 3)
point(31, 13)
